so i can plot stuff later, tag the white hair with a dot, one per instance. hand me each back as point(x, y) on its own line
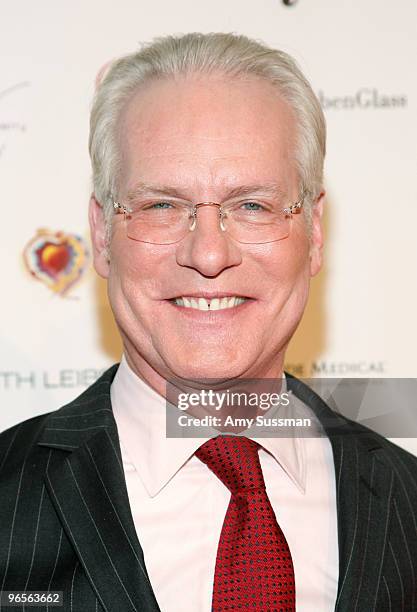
point(230, 55)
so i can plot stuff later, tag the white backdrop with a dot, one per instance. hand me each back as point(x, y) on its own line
point(360, 58)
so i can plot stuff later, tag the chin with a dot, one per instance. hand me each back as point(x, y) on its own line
point(201, 369)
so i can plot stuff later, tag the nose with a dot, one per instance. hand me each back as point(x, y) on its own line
point(208, 248)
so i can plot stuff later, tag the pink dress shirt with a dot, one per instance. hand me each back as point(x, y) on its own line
point(178, 504)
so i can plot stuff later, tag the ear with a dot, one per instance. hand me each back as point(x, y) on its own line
point(98, 237)
point(316, 239)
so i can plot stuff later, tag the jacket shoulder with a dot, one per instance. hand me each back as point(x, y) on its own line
point(20, 442)
point(375, 441)
point(400, 460)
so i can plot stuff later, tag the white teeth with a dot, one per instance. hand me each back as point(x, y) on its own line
point(215, 304)
point(203, 304)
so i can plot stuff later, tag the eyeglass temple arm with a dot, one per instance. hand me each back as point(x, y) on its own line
point(295, 208)
point(121, 208)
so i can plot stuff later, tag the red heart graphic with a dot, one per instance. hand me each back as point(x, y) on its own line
point(53, 258)
point(58, 259)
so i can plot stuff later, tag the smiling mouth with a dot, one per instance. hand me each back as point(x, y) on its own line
point(202, 303)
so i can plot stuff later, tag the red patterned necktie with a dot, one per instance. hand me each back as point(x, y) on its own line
point(254, 569)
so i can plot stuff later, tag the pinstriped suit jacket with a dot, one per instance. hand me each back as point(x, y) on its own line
point(65, 520)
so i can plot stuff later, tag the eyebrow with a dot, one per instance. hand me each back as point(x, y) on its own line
point(143, 189)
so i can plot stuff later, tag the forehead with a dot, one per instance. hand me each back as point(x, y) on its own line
point(207, 130)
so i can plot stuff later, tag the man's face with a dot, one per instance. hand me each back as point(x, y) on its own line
point(202, 137)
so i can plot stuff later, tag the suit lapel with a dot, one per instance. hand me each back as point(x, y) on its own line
point(364, 486)
point(85, 481)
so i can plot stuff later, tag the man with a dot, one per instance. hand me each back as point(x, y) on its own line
point(207, 155)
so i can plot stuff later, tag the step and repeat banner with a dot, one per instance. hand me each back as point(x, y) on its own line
point(57, 333)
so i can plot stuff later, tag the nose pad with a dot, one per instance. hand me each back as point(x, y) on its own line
point(201, 204)
point(207, 248)
point(207, 225)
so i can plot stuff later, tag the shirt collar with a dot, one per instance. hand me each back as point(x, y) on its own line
point(140, 414)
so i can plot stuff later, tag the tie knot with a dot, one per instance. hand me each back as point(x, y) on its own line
point(234, 460)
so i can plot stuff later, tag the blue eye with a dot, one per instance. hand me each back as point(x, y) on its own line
point(161, 205)
point(252, 206)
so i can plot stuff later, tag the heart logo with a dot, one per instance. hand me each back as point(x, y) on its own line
point(56, 259)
